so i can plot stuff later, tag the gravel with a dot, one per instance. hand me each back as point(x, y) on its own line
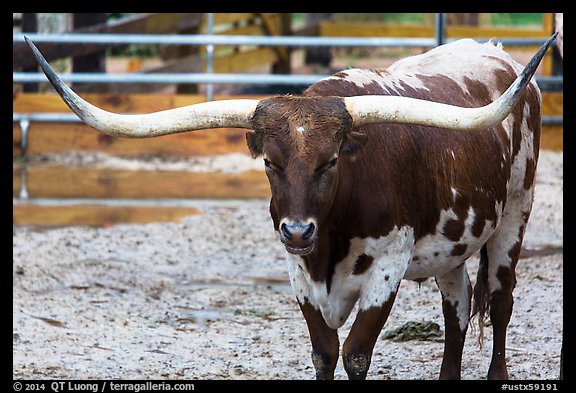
point(208, 297)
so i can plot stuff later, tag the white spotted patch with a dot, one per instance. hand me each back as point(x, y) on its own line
point(506, 236)
point(518, 168)
point(454, 192)
point(389, 81)
point(518, 205)
point(372, 288)
point(455, 290)
point(301, 129)
point(459, 61)
point(452, 60)
point(432, 254)
point(360, 77)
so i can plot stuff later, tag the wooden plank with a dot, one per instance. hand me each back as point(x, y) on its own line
point(245, 60)
point(334, 28)
point(225, 61)
point(119, 103)
point(548, 27)
point(272, 25)
point(548, 23)
point(96, 215)
point(365, 29)
point(82, 182)
point(242, 30)
point(239, 61)
point(231, 17)
point(53, 138)
point(552, 103)
point(60, 137)
point(46, 138)
point(552, 138)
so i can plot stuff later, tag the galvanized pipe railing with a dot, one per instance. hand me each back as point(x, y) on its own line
point(211, 40)
point(209, 78)
point(545, 83)
point(294, 41)
point(207, 39)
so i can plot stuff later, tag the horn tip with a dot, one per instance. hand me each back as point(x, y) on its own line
point(29, 42)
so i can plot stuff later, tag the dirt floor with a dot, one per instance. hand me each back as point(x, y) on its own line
point(208, 298)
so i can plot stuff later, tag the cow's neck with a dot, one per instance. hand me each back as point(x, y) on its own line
point(337, 228)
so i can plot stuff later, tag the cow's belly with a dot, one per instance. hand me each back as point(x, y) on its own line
point(435, 255)
point(438, 259)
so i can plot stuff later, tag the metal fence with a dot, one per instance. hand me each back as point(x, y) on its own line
point(209, 78)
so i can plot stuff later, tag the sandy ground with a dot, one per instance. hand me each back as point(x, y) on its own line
point(208, 298)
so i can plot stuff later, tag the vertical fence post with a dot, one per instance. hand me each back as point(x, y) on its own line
point(30, 25)
point(24, 124)
point(440, 28)
point(210, 57)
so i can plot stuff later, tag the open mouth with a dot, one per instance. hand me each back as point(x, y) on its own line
point(300, 250)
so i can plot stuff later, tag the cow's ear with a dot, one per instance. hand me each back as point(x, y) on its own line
point(352, 143)
point(255, 143)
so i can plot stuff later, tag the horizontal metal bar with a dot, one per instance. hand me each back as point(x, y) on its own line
point(46, 117)
point(193, 78)
point(552, 120)
point(551, 83)
point(224, 40)
point(72, 118)
point(208, 39)
point(514, 41)
point(547, 82)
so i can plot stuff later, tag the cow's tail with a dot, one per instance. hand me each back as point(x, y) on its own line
point(481, 303)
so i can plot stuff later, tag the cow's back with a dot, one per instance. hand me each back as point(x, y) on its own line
point(430, 177)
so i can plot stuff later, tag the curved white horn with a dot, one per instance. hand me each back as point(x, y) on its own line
point(375, 109)
point(225, 113)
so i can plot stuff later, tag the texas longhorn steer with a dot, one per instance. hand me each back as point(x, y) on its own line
point(381, 175)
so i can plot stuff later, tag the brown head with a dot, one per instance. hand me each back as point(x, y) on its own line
point(301, 140)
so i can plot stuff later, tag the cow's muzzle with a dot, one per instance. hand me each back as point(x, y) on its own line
point(298, 236)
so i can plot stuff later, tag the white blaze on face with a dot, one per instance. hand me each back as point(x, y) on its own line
point(391, 256)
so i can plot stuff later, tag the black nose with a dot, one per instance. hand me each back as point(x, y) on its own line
point(298, 231)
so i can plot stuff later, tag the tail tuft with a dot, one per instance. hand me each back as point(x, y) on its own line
point(481, 303)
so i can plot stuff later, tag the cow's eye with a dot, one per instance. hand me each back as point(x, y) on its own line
point(331, 164)
point(268, 164)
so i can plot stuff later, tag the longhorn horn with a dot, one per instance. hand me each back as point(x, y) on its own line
point(215, 114)
point(373, 109)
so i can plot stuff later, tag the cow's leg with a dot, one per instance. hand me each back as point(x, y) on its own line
point(377, 295)
point(324, 340)
point(456, 293)
point(501, 282)
point(501, 255)
point(358, 347)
